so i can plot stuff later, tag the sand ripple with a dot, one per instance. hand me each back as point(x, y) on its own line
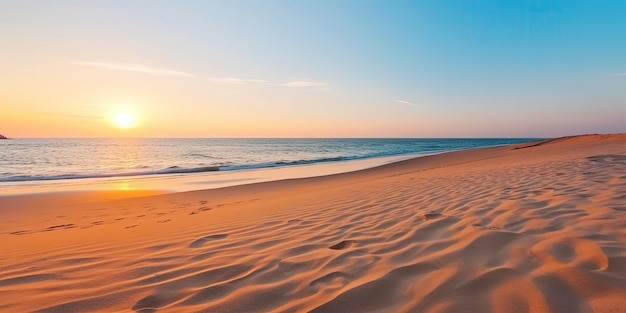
point(528, 230)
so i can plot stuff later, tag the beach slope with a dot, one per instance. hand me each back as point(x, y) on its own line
point(535, 227)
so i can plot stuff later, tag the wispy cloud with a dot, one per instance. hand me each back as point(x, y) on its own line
point(237, 81)
point(130, 67)
point(620, 74)
point(409, 103)
point(134, 68)
point(293, 84)
point(74, 115)
point(93, 117)
point(305, 83)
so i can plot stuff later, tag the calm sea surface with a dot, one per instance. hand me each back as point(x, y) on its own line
point(48, 159)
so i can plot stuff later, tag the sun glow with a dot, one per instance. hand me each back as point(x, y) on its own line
point(124, 120)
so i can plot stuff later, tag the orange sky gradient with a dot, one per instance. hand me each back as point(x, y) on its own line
point(268, 69)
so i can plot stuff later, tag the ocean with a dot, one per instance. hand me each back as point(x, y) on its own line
point(24, 160)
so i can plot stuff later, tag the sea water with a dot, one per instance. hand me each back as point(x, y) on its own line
point(23, 160)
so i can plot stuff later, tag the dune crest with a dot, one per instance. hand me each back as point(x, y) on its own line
point(527, 228)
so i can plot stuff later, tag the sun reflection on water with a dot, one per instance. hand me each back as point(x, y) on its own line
point(124, 185)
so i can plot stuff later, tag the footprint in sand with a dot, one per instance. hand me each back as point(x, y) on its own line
point(430, 216)
point(342, 245)
point(332, 280)
point(201, 241)
point(199, 210)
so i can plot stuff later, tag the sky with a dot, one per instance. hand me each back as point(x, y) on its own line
point(319, 68)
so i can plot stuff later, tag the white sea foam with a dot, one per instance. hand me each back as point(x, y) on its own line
point(62, 159)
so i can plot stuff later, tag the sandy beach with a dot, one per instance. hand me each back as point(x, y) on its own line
point(535, 227)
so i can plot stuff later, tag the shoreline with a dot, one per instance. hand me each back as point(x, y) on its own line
point(84, 173)
point(535, 225)
point(182, 182)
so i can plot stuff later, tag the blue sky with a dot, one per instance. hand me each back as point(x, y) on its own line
point(315, 68)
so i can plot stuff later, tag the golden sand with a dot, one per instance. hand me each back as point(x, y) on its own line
point(525, 228)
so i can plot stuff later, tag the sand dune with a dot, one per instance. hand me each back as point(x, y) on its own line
point(529, 228)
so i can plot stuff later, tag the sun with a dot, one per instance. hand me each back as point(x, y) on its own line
point(124, 120)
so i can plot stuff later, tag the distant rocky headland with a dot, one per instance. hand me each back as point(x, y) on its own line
point(3, 137)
